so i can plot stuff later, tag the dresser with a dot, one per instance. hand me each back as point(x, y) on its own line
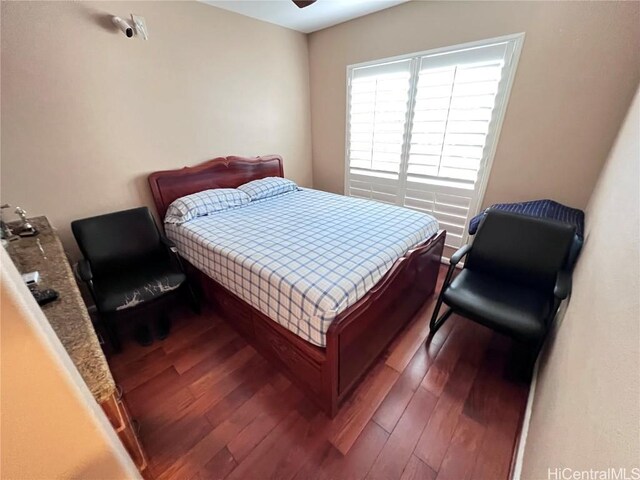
point(70, 320)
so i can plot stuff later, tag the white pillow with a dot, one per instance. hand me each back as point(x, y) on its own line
point(204, 203)
point(268, 187)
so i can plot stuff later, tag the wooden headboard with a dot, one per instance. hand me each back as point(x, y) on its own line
point(221, 172)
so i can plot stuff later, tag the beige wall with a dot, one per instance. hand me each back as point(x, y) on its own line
point(578, 70)
point(586, 410)
point(88, 113)
point(50, 425)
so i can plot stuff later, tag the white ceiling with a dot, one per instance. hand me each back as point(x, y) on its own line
point(322, 14)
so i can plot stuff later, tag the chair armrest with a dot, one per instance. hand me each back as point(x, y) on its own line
point(174, 255)
point(563, 285)
point(169, 244)
point(461, 252)
point(84, 270)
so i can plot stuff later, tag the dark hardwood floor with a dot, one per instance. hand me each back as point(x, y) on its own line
point(210, 407)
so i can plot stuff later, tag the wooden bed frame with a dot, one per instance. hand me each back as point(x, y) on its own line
point(357, 336)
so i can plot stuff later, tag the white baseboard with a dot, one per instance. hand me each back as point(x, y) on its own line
point(526, 421)
point(445, 261)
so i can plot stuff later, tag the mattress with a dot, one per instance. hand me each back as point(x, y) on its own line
point(303, 257)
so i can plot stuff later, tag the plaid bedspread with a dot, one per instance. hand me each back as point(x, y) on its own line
point(302, 257)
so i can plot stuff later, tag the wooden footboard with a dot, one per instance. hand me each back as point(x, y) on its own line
point(361, 333)
point(354, 340)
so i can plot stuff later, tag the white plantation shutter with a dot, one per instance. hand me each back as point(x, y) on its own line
point(378, 100)
point(421, 130)
point(454, 104)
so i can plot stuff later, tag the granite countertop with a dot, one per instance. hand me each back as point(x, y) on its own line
point(68, 314)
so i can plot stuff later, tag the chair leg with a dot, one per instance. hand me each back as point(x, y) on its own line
point(436, 310)
point(435, 325)
point(537, 347)
point(193, 299)
point(535, 353)
point(112, 332)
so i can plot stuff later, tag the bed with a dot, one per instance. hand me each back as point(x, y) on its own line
point(319, 283)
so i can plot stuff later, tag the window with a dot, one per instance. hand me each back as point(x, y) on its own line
point(422, 129)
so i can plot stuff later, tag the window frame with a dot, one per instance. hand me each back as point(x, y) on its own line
point(516, 41)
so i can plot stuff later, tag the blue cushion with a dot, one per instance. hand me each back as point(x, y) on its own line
point(538, 208)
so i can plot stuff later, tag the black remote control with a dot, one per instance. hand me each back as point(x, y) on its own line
point(44, 296)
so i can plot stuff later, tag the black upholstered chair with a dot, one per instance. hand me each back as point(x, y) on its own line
point(127, 263)
point(514, 278)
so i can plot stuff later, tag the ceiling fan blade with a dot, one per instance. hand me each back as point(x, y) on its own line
point(303, 3)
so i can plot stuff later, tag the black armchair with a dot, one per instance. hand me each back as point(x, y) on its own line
point(127, 263)
point(514, 277)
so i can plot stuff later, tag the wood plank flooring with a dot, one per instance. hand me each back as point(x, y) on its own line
point(210, 407)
